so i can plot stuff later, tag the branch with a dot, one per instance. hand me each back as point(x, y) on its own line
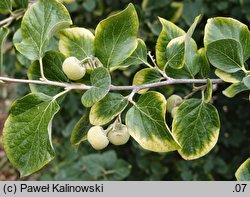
point(112, 87)
point(11, 18)
point(46, 82)
point(164, 83)
point(7, 20)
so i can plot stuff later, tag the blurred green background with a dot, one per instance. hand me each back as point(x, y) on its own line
point(130, 162)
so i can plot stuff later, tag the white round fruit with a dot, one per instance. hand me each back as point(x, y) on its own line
point(173, 101)
point(119, 135)
point(97, 138)
point(173, 112)
point(73, 69)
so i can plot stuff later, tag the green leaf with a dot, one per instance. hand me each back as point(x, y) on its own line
point(234, 89)
point(207, 94)
point(183, 57)
point(21, 59)
point(176, 11)
point(146, 76)
point(228, 28)
point(89, 5)
point(169, 32)
point(22, 3)
point(115, 37)
point(193, 26)
point(107, 109)
point(80, 131)
point(182, 73)
point(106, 166)
point(175, 52)
point(226, 54)
point(3, 35)
point(146, 123)
point(246, 81)
point(40, 22)
point(243, 172)
point(190, 57)
point(196, 127)
point(139, 56)
point(27, 132)
point(122, 170)
point(5, 5)
point(17, 37)
point(100, 81)
point(202, 63)
point(148, 5)
point(52, 65)
point(181, 53)
point(191, 10)
point(96, 164)
point(78, 42)
point(230, 77)
point(190, 68)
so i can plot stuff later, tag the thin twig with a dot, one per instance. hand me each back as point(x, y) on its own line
point(11, 18)
point(7, 20)
point(112, 87)
point(131, 95)
point(156, 66)
point(195, 89)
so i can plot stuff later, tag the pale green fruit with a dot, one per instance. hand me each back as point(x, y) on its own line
point(119, 135)
point(173, 101)
point(73, 69)
point(173, 112)
point(97, 137)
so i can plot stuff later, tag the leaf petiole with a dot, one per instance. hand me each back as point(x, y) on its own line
point(41, 69)
point(62, 93)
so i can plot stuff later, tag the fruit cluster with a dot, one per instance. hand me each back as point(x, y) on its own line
point(99, 138)
point(116, 134)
